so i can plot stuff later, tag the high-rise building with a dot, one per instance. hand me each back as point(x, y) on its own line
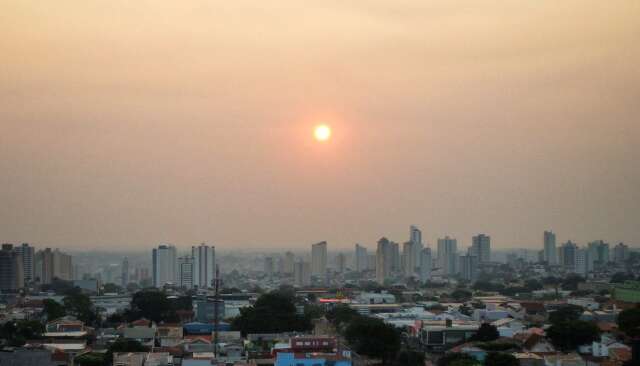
point(409, 258)
point(124, 276)
point(620, 253)
point(11, 269)
point(361, 258)
point(481, 248)
point(469, 267)
point(27, 252)
point(289, 260)
point(204, 265)
point(185, 271)
point(165, 265)
point(598, 255)
point(319, 259)
point(268, 266)
point(43, 270)
point(448, 255)
point(550, 251)
point(341, 262)
point(582, 261)
point(62, 266)
point(396, 259)
point(384, 260)
point(568, 255)
point(280, 265)
point(425, 265)
point(415, 237)
point(302, 274)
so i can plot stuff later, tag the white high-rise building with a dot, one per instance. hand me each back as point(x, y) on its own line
point(302, 274)
point(448, 255)
point(408, 259)
point(319, 259)
point(361, 258)
point(425, 264)
point(185, 271)
point(582, 261)
point(469, 267)
point(550, 250)
point(481, 248)
point(165, 265)
point(27, 252)
point(204, 265)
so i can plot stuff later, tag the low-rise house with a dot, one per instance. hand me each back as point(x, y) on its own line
point(508, 327)
point(169, 335)
point(10, 356)
point(144, 335)
point(159, 359)
point(129, 358)
point(529, 359)
point(537, 343)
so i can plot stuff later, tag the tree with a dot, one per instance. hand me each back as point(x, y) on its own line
point(533, 285)
point(461, 295)
point(341, 314)
point(457, 359)
point(17, 333)
point(500, 359)
point(90, 359)
point(79, 305)
point(568, 335)
point(273, 312)
point(52, 309)
point(410, 358)
point(373, 337)
point(565, 313)
point(123, 345)
point(486, 333)
point(621, 277)
point(629, 322)
point(570, 283)
point(111, 288)
point(150, 304)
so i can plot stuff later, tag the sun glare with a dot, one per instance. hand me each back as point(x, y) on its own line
point(322, 132)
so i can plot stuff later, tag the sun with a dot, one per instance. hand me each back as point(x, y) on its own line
point(322, 132)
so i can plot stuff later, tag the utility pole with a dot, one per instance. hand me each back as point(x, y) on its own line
point(216, 316)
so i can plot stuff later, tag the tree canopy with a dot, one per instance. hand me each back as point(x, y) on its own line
point(486, 333)
point(565, 313)
point(500, 359)
point(373, 337)
point(629, 322)
point(569, 334)
point(79, 305)
point(123, 345)
point(52, 309)
point(274, 312)
point(457, 359)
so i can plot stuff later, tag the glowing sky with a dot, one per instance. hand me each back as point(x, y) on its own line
point(129, 123)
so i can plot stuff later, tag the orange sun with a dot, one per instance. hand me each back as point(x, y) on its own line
point(322, 132)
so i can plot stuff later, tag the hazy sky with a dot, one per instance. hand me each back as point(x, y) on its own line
point(130, 123)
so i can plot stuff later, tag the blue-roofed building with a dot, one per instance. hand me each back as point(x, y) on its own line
point(313, 359)
point(204, 328)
